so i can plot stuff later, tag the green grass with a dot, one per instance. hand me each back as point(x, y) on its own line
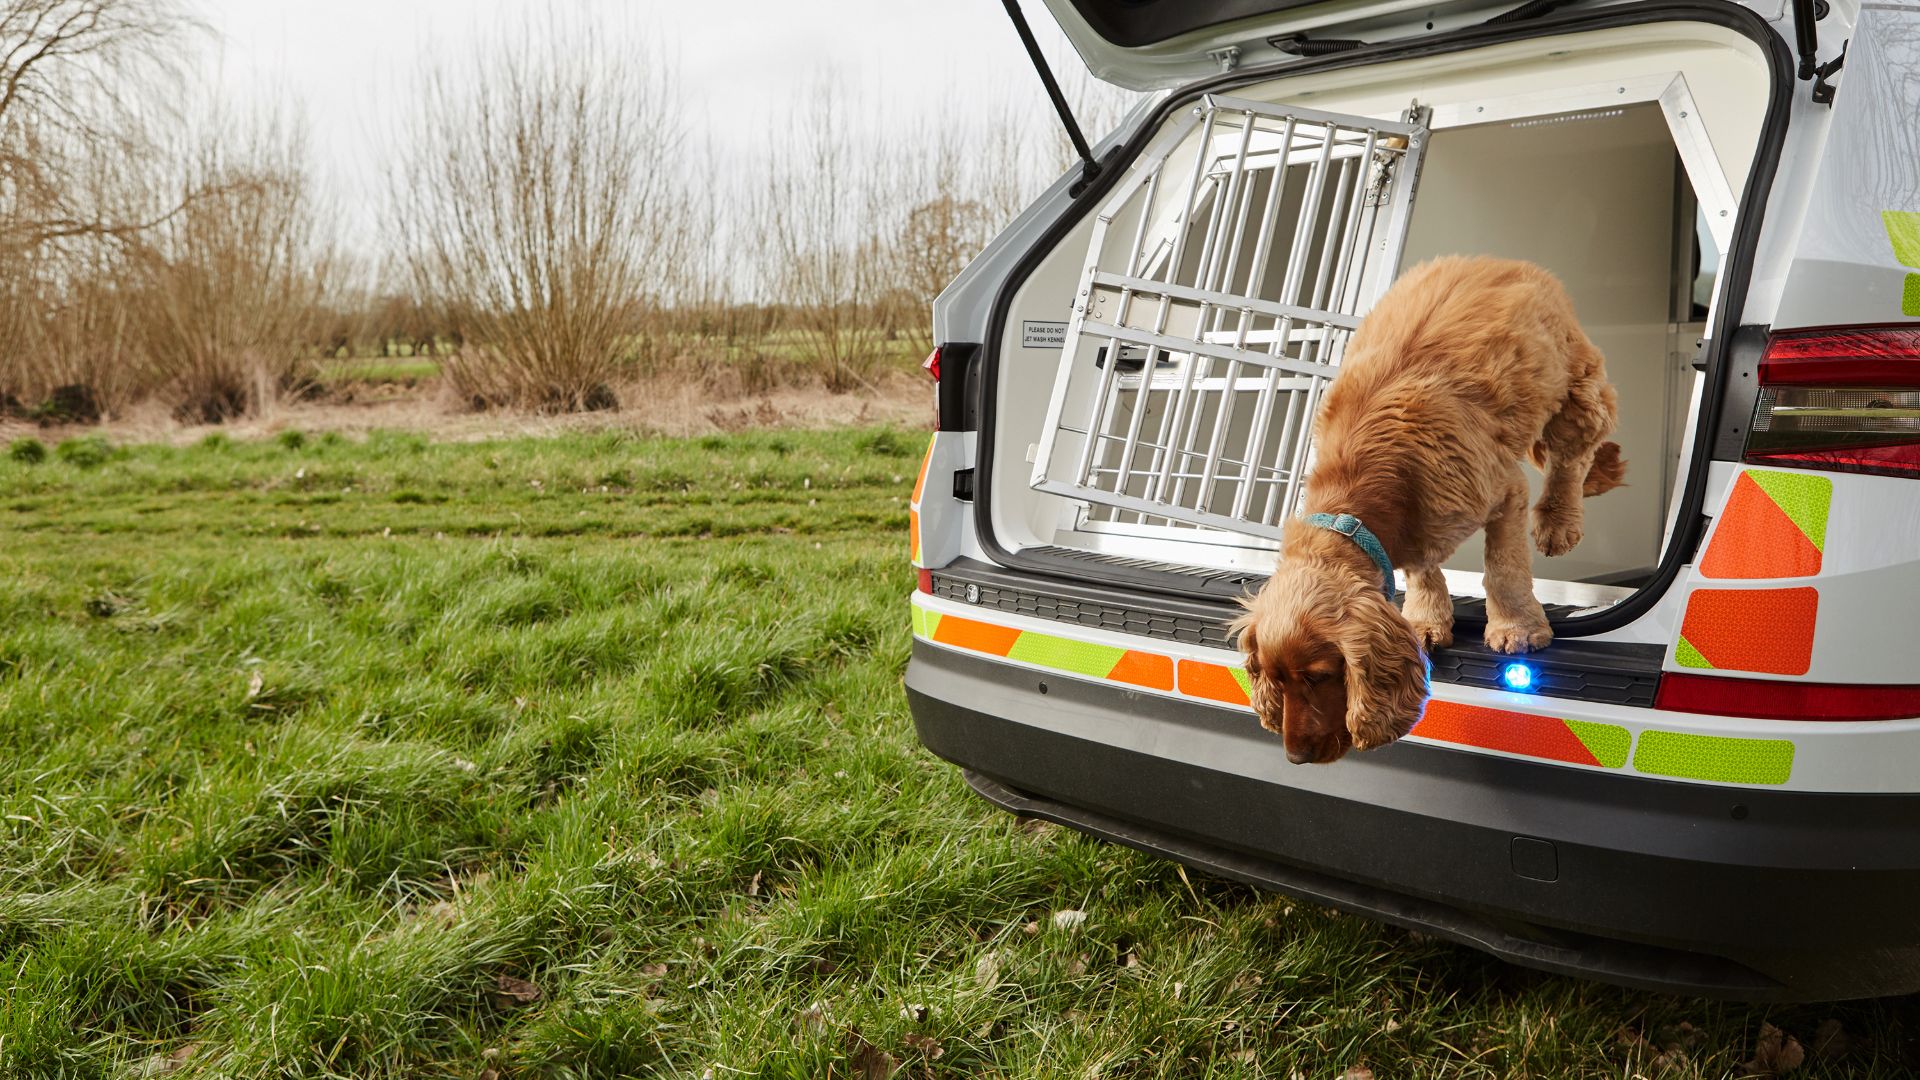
point(779, 355)
point(588, 757)
point(378, 370)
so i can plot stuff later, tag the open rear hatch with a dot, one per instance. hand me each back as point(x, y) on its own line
point(1160, 435)
point(1160, 44)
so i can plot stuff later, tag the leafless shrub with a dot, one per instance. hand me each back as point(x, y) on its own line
point(943, 218)
point(83, 84)
point(225, 292)
point(1001, 171)
point(821, 256)
point(534, 203)
point(696, 292)
point(65, 351)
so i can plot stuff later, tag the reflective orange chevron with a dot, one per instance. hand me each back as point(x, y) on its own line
point(1763, 630)
point(1528, 734)
point(1773, 525)
point(920, 483)
point(1215, 682)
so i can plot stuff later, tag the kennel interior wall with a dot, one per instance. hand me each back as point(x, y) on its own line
point(1596, 196)
point(1564, 150)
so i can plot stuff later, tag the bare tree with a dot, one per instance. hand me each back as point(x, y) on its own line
point(77, 80)
point(225, 292)
point(948, 218)
point(83, 84)
point(535, 204)
point(823, 225)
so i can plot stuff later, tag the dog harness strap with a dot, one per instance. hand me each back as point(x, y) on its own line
point(1349, 526)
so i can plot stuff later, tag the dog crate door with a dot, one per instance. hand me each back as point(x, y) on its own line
point(1223, 280)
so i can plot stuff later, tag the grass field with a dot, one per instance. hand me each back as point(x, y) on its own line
point(588, 756)
point(757, 359)
point(395, 369)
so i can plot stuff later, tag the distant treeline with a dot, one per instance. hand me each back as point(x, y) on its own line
point(557, 231)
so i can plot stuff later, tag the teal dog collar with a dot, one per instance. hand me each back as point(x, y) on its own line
point(1349, 526)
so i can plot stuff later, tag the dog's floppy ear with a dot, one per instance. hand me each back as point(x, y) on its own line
point(1386, 672)
point(1240, 630)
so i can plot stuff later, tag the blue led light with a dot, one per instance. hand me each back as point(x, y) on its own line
point(1517, 677)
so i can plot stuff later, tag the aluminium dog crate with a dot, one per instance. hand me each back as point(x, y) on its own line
point(1223, 280)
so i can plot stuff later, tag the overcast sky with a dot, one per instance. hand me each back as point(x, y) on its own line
point(350, 66)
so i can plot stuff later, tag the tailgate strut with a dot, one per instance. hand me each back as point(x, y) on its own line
point(1807, 40)
point(1089, 168)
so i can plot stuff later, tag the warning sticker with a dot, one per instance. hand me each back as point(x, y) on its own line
point(1043, 335)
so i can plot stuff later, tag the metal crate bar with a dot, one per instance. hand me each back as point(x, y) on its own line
point(1222, 281)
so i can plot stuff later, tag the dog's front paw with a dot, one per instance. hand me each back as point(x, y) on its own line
point(1556, 529)
point(1518, 637)
point(1432, 635)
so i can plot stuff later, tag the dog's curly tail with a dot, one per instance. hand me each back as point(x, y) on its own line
point(1608, 471)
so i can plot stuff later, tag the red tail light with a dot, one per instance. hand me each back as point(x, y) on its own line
point(1764, 700)
point(931, 365)
point(926, 581)
point(1846, 400)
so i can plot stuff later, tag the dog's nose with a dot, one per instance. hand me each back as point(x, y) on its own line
point(1299, 758)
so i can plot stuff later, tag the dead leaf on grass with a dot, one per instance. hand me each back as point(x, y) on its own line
point(1030, 928)
point(1078, 965)
point(1068, 919)
point(753, 887)
point(1357, 1072)
point(653, 971)
point(511, 990)
point(1679, 1038)
point(162, 1064)
point(986, 970)
point(924, 1044)
point(1775, 1052)
point(1830, 1040)
point(915, 1012)
point(814, 1017)
point(869, 1061)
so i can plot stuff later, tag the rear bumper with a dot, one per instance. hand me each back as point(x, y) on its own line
point(1734, 892)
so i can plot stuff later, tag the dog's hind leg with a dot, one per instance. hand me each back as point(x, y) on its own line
point(1429, 607)
point(1516, 622)
point(1572, 439)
